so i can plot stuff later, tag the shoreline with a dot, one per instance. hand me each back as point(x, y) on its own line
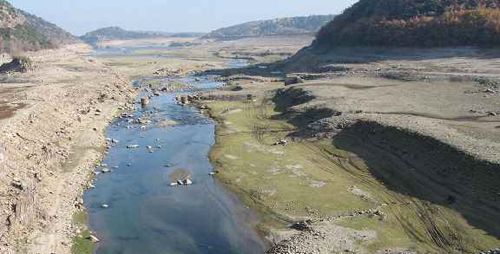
point(333, 185)
point(340, 226)
point(52, 145)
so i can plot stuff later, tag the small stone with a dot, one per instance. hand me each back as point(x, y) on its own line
point(18, 184)
point(104, 206)
point(93, 238)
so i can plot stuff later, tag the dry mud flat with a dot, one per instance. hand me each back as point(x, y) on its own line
point(50, 145)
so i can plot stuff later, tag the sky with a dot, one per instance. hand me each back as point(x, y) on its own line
point(81, 16)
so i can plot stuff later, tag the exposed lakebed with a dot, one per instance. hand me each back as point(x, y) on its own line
point(144, 213)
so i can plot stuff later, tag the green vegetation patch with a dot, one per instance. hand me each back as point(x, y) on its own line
point(316, 180)
point(82, 243)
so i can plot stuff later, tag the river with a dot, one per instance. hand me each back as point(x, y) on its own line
point(144, 213)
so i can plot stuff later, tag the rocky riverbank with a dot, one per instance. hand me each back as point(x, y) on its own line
point(50, 145)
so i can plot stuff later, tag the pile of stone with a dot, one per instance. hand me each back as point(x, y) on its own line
point(494, 251)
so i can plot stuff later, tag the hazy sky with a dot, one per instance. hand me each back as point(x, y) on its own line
point(80, 16)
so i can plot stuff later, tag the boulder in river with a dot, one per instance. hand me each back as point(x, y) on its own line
point(144, 101)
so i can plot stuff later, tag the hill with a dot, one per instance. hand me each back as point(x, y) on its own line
point(118, 33)
point(281, 26)
point(421, 23)
point(21, 31)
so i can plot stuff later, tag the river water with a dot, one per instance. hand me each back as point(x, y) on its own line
point(145, 214)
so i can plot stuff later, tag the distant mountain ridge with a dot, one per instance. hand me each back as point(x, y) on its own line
point(118, 33)
point(21, 31)
point(420, 23)
point(272, 27)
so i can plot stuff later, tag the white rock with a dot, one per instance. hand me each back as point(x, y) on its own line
point(93, 238)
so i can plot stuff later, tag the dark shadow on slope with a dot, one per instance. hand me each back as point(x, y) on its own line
point(272, 70)
point(427, 169)
point(285, 99)
point(313, 58)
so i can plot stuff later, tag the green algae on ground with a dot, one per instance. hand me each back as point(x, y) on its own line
point(82, 244)
point(307, 179)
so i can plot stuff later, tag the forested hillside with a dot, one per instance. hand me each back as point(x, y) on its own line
point(428, 23)
point(274, 27)
point(21, 31)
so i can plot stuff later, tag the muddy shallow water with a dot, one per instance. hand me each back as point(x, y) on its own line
point(146, 214)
